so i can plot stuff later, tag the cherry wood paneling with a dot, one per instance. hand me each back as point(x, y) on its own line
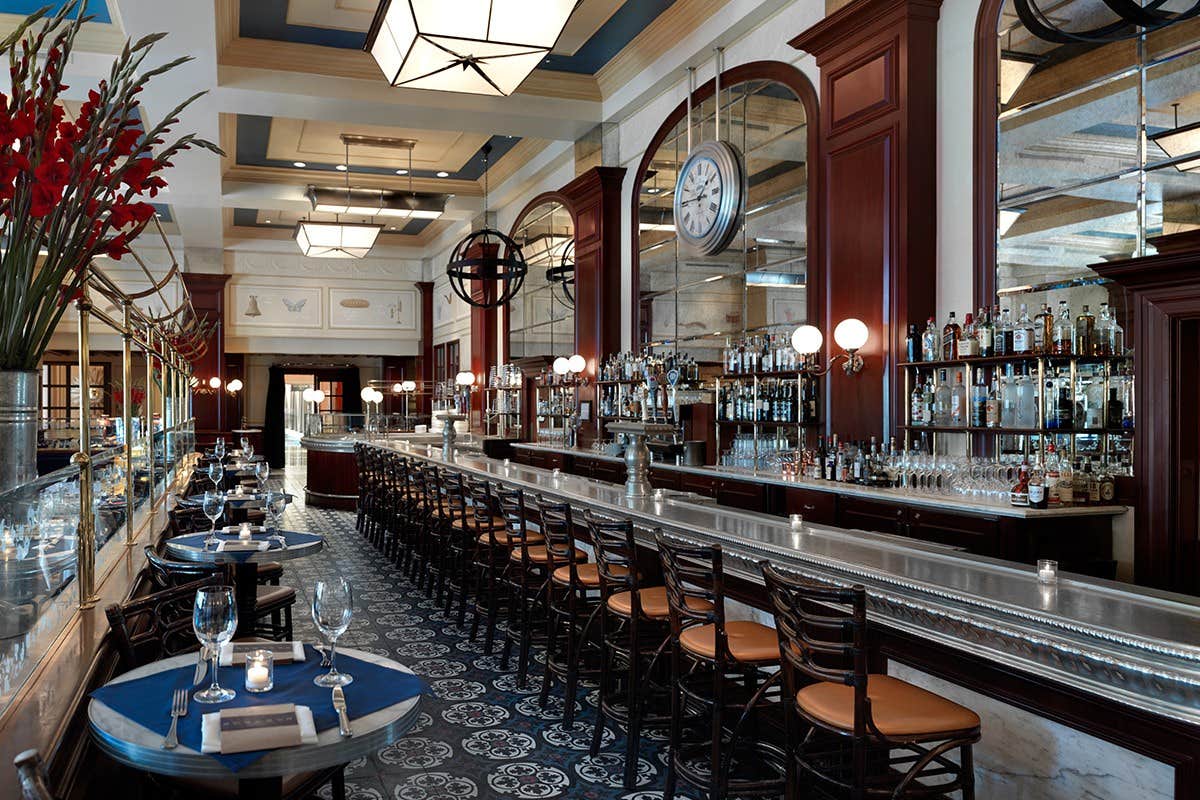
point(878, 157)
point(425, 361)
point(594, 199)
point(208, 298)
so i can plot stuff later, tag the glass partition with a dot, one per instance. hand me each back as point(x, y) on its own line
point(541, 318)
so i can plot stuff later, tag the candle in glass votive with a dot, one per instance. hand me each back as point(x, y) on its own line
point(260, 671)
point(555, 473)
point(797, 522)
point(244, 532)
point(1047, 570)
point(240, 490)
point(506, 462)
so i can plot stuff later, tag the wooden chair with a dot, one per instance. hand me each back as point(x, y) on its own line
point(31, 776)
point(158, 625)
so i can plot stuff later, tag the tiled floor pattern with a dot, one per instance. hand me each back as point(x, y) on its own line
point(478, 736)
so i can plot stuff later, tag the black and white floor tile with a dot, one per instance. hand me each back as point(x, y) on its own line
point(479, 735)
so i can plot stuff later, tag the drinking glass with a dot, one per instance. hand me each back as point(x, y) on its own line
point(262, 471)
point(216, 474)
point(214, 507)
point(245, 446)
point(276, 504)
point(248, 452)
point(219, 448)
point(332, 607)
point(214, 619)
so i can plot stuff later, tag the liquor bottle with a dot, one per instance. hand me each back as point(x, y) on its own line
point(968, 345)
point(1023, 332)
point(951, 331)
point(985, 333)
point(1026, 390)
point(1041, 329)
point(979, 401)
point(917, 406)
point(1114, 412)
point(1103, 346)
point(768, 355)
point(941, 401)
point(930, 344)
point(930, 399)
point(958, 403)
point(1085, 333)
point(1116, 335)
point(1019, 495)
point(810, 399)
point(1066, 483)
point(1052, 477)
point(1064, 410)
point(1037, 486)
point(819, 467)
point(1003, 342)
point(912, 344)
point(1064, 331)
point(993, 405)
point(1080, 485)
point(1108, 486)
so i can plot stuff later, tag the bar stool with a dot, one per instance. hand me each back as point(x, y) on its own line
point(491, 560)
point(868, 735)
point(458, 564)
point(360, 465)
point(571, 602)
point(729, 671)
point(434, 531)
point(408, 498)
point(633, 631)
point(527, 577)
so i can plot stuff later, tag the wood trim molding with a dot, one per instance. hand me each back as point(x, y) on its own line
point(984, 155)
point(653, 40)
point(520, 155)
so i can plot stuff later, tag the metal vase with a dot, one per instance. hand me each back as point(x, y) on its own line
point(18, 427)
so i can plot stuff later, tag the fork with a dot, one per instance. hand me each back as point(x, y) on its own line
point(179, 708)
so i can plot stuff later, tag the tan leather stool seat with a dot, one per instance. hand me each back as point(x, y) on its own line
point(461, 523)
point(898, 708)
point(501, 540)
point(588, 574)
point(654, 603)
point(269, 596)
point(538, 554)
point(749, 642)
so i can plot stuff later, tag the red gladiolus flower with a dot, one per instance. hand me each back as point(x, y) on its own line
point(117, 247)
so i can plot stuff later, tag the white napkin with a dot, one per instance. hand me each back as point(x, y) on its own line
point(210, 729)
point(236, 528)
point(227, 651)
point(236, 546)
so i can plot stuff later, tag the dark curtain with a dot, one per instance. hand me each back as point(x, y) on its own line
point(273, 435)
point(351, 388)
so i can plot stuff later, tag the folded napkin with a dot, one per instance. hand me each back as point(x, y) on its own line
point(236, 528)
point(241, 730)
point(284, 652)
point(238, 546)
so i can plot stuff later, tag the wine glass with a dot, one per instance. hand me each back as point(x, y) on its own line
point(262, 471)
point(276, 504)
point(216, 474)
point(246, 448)
point(332, 607)
point(214, 507)
point(214, 619)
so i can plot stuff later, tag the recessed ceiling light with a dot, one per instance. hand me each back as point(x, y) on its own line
point(392, 228)
point(299, 164)
point(401, 172)
point(443, 174)
point(653, 190)
point(266, 222)
point(340, 167)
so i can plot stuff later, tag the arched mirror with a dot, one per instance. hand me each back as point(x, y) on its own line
point(541, 318)
point(758, 285)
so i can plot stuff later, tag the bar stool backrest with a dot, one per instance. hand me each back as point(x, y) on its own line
point(559, 530)
point(695, 580)
point(483, 509)
point(433, 489)
point(455, 494)
point(166, 573)
point(616, 558)
point(822, 634)
point(512, 508)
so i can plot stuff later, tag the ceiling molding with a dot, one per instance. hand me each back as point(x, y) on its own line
point(654, 40)
point(300, 177)
point(520, 155)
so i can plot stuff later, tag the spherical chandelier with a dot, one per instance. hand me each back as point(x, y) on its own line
point(1128, 20)
point(562, 275)
point(489, 257)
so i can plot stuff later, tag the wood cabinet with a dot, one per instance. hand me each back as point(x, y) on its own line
point(975, 533)
point(664, 479)
point(870, 515)
point(742, 494)
point(700, 484)
point(814, 506)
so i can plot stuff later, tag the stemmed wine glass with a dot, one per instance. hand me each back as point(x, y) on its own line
point(276, 504)
point(214, 619)
point(219, 449)
point(246, 448)
point(214, 507)
point(332, 607)
point(216, 474)
point(262, 471)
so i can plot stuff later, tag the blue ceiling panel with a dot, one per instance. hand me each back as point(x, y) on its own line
point(94, 8)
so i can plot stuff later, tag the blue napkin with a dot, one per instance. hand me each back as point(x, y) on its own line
point(374, 687)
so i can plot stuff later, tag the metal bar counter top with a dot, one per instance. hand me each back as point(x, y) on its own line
point(1135, 646)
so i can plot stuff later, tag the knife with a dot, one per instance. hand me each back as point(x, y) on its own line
point(201, 667)
point(339, 705)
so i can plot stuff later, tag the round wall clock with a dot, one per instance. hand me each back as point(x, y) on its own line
point(708, 197)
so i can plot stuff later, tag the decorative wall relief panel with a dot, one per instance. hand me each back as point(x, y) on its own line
point(262, 306)
point(372, 309)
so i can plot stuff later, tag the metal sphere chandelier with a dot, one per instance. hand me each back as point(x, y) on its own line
point(489, 257)
point(1132, 20)
point(562, 275)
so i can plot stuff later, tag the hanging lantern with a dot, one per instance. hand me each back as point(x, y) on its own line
point(489, 257)
point(562, 275)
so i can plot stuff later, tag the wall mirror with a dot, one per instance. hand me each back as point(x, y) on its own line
point(541, 318)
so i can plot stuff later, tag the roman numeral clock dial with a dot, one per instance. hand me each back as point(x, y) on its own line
point(708, 197)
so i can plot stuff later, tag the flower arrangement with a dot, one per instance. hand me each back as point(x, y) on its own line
point(71, 189)
point(137, 396)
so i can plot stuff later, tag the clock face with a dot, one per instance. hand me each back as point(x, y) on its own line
point(700, 197)
point(708, 197)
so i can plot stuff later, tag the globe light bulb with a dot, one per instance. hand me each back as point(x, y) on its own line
point(465, 378)
point(576, 363)
point(807, 339)
point(851, 334)
point(561, 365)
point(318, 396)
point(367, 393)
point(409, 386)
point(306, 395)
point(397, 387)
point(235, 385)
point(214, 382)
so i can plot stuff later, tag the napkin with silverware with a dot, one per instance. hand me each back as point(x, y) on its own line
point(236, 528)
point(234, 653)
point(237, 546)
point(241, 730)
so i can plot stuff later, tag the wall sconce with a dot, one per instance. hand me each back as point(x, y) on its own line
point(234, 386)
point(570, 369)
point(464, 378)
point(211, 386)
point(850, 335)
point(314, 396)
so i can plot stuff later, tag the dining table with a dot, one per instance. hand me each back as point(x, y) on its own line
point(130, 716)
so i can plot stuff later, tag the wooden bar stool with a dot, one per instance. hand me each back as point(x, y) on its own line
point(422, 518)
point(572, 601)
point(460, 544)
point(863, 734)
point(633, 630)
point(491, 560)
point(360, 464)
point(727, 681)
point(406, 513)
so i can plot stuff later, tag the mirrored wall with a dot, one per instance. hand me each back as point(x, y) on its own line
point(757, 285)
point(541, 318)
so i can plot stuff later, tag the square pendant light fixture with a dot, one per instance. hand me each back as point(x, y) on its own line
point(377, 203)
point(1179, 141)
point(1015, 67)
point(335, 239)
point(471, 46)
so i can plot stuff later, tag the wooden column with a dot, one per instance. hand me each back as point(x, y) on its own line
point(878, 259)
point(424, 377)
point(211, 412)
point(1165, 300)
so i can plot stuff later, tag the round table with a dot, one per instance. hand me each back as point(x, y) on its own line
point(245, 565)
point(232, 499)
point(141, 748)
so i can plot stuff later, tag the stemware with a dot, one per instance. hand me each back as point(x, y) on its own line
point(332, 607)
point(214, 507)
point(276, 504)
point(219, 448)
point(245, 442)
point(214, 619)
point(247, 452)
point(216, 474)
point(262, 471)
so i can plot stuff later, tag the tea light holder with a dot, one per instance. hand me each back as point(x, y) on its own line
point(260, 671)
point(1047, 570)
point(556, 473)
point(244, 534)
point(240, 490)
point(797, 522)
point(660, 495)
point(507, 462)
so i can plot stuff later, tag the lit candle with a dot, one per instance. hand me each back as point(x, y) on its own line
point(1047, 570)
point(797, 522)
point(260, 668)
point(240, 490)
point(256, 678)
point(244, 532)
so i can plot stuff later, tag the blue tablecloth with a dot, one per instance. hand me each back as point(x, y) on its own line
point(230, 499)
point(147, 701)
point(293, 539)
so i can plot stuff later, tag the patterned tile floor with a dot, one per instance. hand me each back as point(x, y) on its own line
point(478, 736)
